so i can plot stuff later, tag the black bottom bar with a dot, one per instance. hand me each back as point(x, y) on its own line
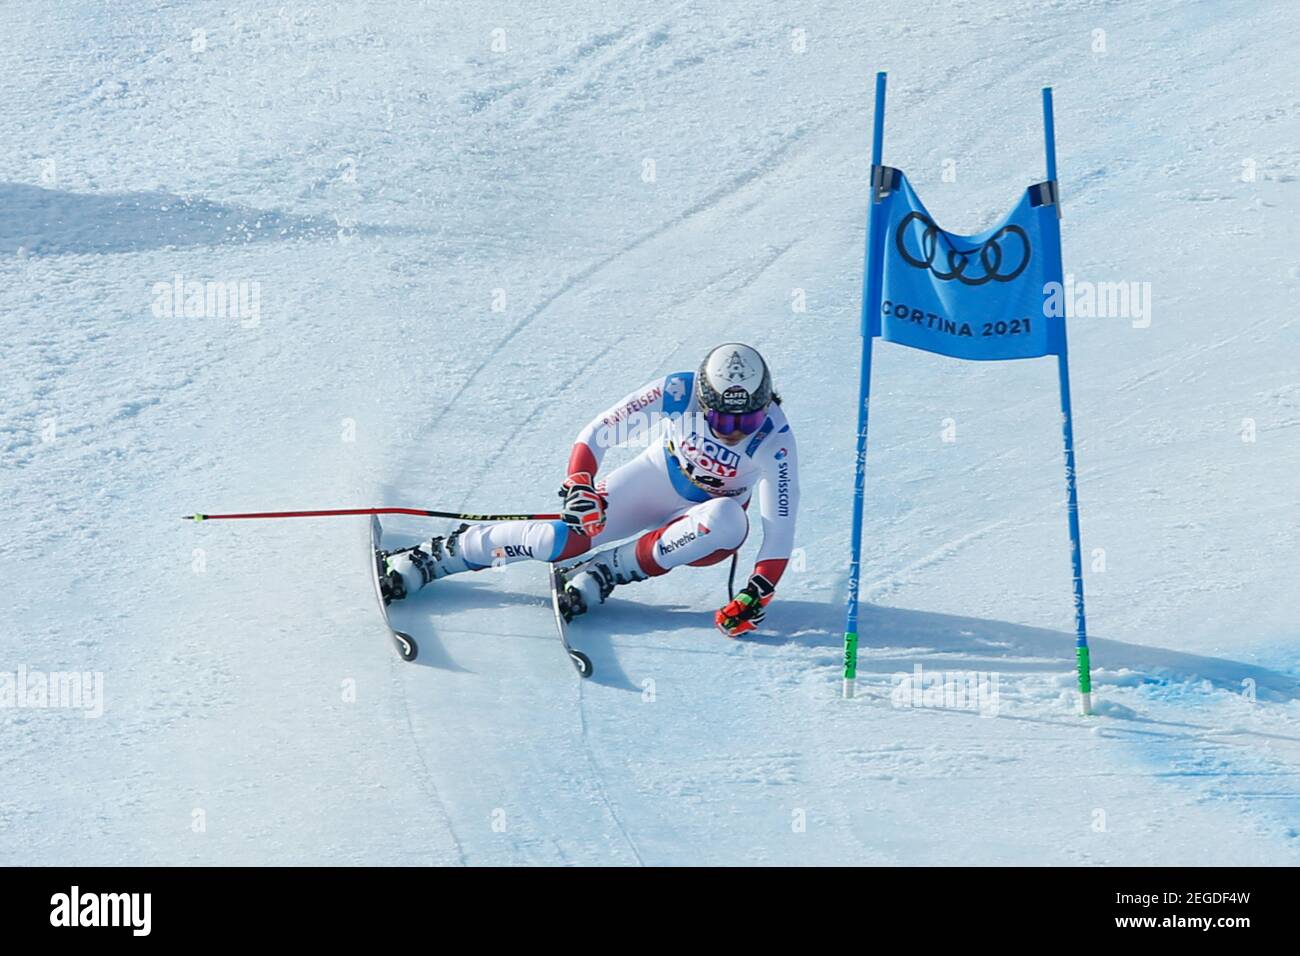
point(341, 906)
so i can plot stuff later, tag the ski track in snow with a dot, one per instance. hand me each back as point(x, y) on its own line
point(431, 784)
point(599, 780)
point(575, 280)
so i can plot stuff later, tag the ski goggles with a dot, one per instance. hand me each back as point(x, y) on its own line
point(725, 423)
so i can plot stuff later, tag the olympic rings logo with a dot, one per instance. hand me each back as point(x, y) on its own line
point(1007, 249)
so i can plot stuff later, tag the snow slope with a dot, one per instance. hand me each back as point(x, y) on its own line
point(386, 176)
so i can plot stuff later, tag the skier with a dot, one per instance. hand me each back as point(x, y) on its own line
point(684, 497)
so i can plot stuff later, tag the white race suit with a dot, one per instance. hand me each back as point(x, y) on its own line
point(686, 494)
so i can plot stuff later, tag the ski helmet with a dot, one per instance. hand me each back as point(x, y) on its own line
point(734, 388)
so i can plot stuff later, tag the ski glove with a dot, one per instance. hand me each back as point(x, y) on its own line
point(745, 611)
point(584, 507)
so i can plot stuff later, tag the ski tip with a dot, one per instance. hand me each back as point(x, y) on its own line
point(582, 662)
point(406, 646)
point(193, 517)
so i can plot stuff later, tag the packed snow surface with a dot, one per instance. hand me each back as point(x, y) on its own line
point(465, 227)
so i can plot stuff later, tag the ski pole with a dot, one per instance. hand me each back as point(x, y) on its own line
point(329, 513)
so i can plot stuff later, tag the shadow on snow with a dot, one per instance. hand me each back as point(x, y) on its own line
point(891, 640)
point(51, 222)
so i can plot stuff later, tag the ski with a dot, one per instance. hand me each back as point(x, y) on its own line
point(405, 644)
point(580, 661)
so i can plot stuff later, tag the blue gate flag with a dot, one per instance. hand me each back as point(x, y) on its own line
point(983, 297)
point(971, 297)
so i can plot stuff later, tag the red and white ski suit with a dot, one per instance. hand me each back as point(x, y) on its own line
point(686, 494)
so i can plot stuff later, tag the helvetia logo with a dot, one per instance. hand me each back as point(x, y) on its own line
point(667, 547)
point(102, 909)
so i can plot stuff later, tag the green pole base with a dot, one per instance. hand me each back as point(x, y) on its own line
point(1085, 679)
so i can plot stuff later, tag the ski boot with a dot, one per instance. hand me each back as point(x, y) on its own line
point(594, 580)
point(409, 569)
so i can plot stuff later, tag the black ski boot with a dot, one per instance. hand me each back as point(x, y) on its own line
point(594, 580)
point(409, 569)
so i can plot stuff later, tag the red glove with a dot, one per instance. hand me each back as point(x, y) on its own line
point(745, 611)
point(584, 507)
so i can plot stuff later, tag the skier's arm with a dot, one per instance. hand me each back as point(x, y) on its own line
point(778, 505)
point(627, 420)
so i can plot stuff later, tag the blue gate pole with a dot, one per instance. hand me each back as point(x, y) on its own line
point(1067, 430)
point(870, 307)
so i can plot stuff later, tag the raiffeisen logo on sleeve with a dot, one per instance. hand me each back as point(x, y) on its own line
point(635, 405)
point(76, 909)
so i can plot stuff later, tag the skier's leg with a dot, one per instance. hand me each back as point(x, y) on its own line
point(473, 548)
point(638, 497)
point(704, 534)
